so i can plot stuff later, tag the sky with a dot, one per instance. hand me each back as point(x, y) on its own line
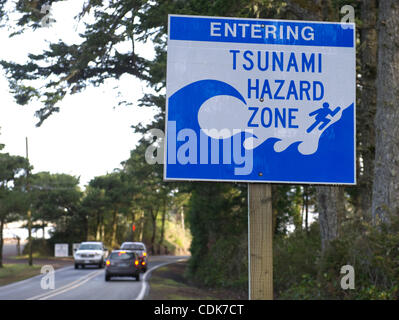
point(91, 134)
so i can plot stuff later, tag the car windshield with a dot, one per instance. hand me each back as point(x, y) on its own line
point(133, 247)
point(122, 256)
point(90, 246)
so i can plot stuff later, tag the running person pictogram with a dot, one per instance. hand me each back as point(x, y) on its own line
point(321, 116)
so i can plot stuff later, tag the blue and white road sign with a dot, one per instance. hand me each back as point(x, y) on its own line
point(260, 101)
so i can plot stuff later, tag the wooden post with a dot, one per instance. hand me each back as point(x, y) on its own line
point(260, 237)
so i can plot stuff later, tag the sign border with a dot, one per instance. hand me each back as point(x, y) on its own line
point(165, 156)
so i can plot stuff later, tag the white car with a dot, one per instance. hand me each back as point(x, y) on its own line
point(90, 253)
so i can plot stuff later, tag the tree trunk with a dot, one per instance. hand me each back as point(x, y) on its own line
point(330, 206)
point(154, 228)
point(30, 247)
point(114, 228)
point(367, 106)
point(133, 224)
point(162, 227)
point(298, 214)
point(386, 173)
point(142, 221)
point(330, 199)
point(1, 242)
point(18, 246)
point(183, 224)
point(98, 227)
point(306, 204)
point(102, 229)
point(85, 236)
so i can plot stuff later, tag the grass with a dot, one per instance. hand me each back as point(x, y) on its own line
point(37, 255)
point(16, 272)
point(25, 256)
point(169, 283)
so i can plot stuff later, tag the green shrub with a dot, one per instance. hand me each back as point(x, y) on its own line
point(40, 247)
point(295, 261)
point(224, 265)
point(301, 272)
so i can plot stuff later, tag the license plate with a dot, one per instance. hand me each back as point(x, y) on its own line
point(123, 264)
point(87, 261)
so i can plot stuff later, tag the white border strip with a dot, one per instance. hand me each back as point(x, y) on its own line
point(249, 246)
point(165, 158)
point(261, 19)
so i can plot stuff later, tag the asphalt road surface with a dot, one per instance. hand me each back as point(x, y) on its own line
point(85, 284)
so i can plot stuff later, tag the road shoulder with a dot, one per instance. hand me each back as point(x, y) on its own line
point(17, 269)
point(11, 273)
point(169, 283)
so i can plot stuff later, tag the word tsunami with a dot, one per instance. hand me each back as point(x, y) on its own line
point(278, 89)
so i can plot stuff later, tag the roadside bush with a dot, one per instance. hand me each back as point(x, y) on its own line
point(40, 247)
point(225, 265)
point(218, 218)
point(373, 251)
point(295, 263)
point(301, 272)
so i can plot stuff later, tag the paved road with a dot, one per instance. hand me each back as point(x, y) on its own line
point(85, 284)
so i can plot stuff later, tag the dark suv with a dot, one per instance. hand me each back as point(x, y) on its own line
point(140, 249)
point(122, 263)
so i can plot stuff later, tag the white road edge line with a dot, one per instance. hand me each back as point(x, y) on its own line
point(144, 282)
point(67, 287)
